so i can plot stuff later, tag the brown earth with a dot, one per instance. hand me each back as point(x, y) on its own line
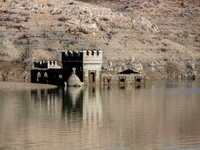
point(160, 38)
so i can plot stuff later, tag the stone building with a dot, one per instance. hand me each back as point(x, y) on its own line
point(46, 72)
point(87, 64)
point(78, 68)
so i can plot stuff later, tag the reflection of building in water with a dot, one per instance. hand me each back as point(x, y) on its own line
point(92, 106)
point(85, 103)
point(72, 106)
point(72, 102)
point(73, 119)
point(92, 115)
point(82, 111)
point(48, 99)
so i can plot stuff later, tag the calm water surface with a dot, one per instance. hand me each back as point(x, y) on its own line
point(157, 116)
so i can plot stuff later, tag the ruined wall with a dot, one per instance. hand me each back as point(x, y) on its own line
point(108, 79)
point(73, 59)
point(46, 64)
point(48, 76)
point(88, 69)
point(91, 73)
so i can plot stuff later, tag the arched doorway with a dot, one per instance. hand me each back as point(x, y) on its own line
point(92, 77)
point(38, 76)
point(45, 78)
point(46, 75)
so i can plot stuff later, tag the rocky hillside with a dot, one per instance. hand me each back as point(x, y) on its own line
point(159, 38)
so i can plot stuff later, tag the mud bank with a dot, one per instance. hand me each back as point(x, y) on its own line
point(10, 86)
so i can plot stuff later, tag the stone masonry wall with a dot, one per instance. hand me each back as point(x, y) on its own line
point(88, 70)
point(107, 79)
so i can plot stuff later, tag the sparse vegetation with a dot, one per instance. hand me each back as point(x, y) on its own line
point(140, 32)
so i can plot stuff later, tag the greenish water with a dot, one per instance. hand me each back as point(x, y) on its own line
point(157, 116)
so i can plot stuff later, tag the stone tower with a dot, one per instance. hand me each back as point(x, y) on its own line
point(87, 64)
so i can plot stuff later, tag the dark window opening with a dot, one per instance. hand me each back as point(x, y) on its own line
point(93, 77)
point(108, 80)
point(138, 80)
point(122, 80)
point(38, 76)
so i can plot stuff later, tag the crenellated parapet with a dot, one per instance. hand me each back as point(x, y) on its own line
point(92, 56)
point(40, 64)
point(92, 53)
point(82, 56)
point(72, 55)
point(52, 65)
point(88, 70)
point(46, 65)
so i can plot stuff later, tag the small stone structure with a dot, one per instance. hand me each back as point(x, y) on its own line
point(113, 77)
point(74, 80)
point(81, 67)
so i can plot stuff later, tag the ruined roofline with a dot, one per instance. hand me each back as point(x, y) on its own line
point(81, 54)
point(71, 54)
point(46, 64)
point(93, 53)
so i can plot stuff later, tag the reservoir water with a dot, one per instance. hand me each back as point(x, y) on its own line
point(154, 116)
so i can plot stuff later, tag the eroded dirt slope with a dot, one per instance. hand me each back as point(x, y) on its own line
point(159, 38)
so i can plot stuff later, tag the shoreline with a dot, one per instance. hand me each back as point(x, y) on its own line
point(11, 86)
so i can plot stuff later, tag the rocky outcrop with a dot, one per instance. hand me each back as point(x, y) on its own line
point(33, 31)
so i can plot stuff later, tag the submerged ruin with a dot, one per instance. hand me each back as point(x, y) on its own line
point(81, 68)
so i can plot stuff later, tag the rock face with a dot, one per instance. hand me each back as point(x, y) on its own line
point(146, 36)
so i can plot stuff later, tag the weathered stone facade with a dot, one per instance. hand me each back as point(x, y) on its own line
point(87, 64)
point(88, 69)
point(46, 72)
point(109, 78)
